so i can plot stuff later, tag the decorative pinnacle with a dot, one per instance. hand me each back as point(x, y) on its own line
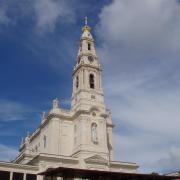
point(43, 115)
point(55, 103)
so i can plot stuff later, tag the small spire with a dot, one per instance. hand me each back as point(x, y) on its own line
point(43, 115)
point(27, 139)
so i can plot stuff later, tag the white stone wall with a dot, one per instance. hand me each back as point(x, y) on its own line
point(71, 138)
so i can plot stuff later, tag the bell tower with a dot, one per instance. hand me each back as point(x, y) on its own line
point(87, 88)
point(93, 123)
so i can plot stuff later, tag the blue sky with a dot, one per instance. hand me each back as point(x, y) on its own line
point(138, 44)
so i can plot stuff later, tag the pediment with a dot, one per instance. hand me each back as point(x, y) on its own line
point(96, 159)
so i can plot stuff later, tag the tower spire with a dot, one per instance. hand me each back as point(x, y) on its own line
point(87, 73)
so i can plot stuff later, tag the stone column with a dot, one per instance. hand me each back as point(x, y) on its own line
point(11, 176)
point(40, 177)
point(24, 176)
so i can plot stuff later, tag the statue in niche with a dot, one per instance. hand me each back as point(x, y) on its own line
point(94, 136)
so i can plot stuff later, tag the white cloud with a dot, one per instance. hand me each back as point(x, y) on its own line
point(170, 163)
point(140, 54)
point(141, 24)
point(7, 153)
point(148, 150)
point(140, 107)
point(4, 19)
point(6, 133)
point(140, 33)
point(173, 161)
point(49, 12)
point(45, 14)
point(13, 111)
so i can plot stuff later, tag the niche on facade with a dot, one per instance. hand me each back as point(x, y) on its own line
point(44, 141)
point(94, 133)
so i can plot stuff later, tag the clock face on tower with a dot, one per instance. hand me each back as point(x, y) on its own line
point(91, 59)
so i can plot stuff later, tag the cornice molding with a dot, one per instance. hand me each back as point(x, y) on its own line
point(87, 66)
point(18, 166)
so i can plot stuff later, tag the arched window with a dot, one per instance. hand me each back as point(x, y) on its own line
point(94, 134)
point(91, 81)
point(89, 46)
point(77, 82)
point(44, 141)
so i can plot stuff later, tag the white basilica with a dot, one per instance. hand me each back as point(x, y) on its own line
point(80, 137)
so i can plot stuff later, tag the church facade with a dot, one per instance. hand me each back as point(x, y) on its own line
point(77, 138)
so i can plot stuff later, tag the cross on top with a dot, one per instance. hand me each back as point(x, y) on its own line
point(86, 20)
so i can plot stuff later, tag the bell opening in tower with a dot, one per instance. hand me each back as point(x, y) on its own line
point(91, 81)
point(89, 46)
